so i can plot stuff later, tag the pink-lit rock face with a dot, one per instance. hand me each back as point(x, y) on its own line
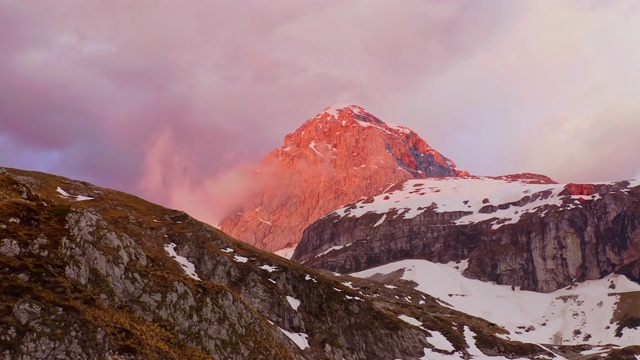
point(579, 189)
point(339, 156)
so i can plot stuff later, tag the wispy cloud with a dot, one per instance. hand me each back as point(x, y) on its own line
point(166, 99)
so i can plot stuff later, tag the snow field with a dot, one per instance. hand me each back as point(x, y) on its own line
point(466, 195)
point(529, 316)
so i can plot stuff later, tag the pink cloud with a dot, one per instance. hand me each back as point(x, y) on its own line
point(168, 177)
point(598, 147)
point(168, 99)
point(174, 100)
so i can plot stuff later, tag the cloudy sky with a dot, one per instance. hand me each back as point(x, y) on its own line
point(173, 100)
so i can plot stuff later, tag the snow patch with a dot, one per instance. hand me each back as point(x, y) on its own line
point(471, 342)
point(269, 268)
point(380, 221)
point(312, 145)
point(83, 198)
point(335, 109)
point(410, 320)
point(66, 195)
point(432, 355)
point(300, 339)
point(62, 192)
point(439, 341)
point(286, 253)
point(293, 302)
point(595, 350)
point(368, 124)
point(240, 259)
point(473, 348)
point(186, 265)
point(399, 128)
point(331, 148)
point(333, 248)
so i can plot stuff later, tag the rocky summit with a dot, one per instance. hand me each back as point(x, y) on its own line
point(339, 156)
point(92, 273)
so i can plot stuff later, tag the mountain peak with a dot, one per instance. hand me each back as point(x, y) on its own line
point(334, 158)
point(334, 110)
point(346, 112)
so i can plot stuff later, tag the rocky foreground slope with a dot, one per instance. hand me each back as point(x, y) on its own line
point(540, 236)
point(335, 158)
point(91, 273)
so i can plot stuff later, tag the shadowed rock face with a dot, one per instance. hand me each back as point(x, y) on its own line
point(333, 159)
point(586, 232)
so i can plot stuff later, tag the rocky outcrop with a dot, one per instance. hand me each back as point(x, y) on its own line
point(91, 273)
point(527, 178)
point(540, 237)
point(339, 156)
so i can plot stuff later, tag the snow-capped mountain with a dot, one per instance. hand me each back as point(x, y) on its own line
point(335, 158)
point(549, 263)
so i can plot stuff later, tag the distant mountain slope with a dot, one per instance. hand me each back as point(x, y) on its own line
point(91, 273)
point(592, 312)
point(335, 158)
point(540, 236)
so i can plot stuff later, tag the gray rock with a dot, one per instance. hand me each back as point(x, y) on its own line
point(9, 247)
point(25, 311)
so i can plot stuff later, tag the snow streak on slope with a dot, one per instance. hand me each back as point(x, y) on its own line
point(468, 195)
point(286, 253)
point(473, 350)
point(300, 339)
point(185, 264)
point(574, 315)
point(439, 341)
point(66, 195)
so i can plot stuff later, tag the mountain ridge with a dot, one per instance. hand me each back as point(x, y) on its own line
point(541, 236)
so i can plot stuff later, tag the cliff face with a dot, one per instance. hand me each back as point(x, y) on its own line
point(91, 273)
point(335, 158)
point(538, 236)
